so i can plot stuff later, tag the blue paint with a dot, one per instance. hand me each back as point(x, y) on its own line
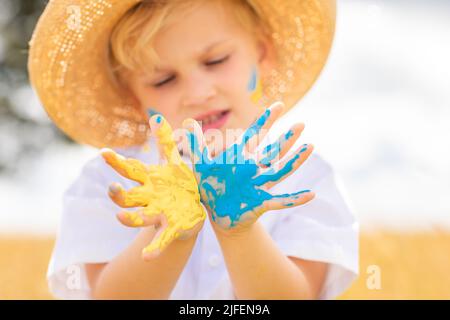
point(294, 196)
point(275, 175)
point(290, 204)
point(200, 157)
point(271, 151)
point(158, 119)
point(251, 86)
point(151, 112)
point(272, 175)
point(229, 184)
point(257, 125)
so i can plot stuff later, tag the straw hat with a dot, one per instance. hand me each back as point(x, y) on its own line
point(69, 67)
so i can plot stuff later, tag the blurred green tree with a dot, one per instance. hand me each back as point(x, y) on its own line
point(25, 128)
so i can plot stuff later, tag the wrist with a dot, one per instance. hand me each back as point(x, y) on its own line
point(237, 232)
point(191, 233)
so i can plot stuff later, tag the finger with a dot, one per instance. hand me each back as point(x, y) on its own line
point(188, 231)
point(167, 146)
point(139, 218)
point(135, 197)
point(197, 143)
point(162, 239)
point(281, 170)
point(277, 150)
point(285, 201)
point(127, 167)
point(193, 222)
point(258, 130)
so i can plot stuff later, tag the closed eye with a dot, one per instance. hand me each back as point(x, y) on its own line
point(209, 63)
point(159, 84)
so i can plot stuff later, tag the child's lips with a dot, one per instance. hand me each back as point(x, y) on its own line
point(220, 118)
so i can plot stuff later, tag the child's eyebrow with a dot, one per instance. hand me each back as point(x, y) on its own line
point(200, 52)
point(214, 44)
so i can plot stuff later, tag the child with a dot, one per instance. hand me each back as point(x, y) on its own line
point(101, 67)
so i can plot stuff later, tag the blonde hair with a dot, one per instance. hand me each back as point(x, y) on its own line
point(131, 40)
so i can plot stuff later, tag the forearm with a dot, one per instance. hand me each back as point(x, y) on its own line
point(128, 276)
point(258, 269)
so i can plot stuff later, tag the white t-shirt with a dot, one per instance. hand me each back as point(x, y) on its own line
point(322, 230)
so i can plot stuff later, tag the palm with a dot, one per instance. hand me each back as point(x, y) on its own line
point(167, 194)
point(234, 185)
point(245, 197)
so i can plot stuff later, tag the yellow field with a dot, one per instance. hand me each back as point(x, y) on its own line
point(412, 265)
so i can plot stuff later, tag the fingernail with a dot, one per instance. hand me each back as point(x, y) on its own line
point(278, 104)
point(114, 188)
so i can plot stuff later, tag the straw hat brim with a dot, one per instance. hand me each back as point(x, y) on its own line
point(69, 68)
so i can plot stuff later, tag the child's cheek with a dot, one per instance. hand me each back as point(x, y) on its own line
point(254, 86)
point(235, 78)
point(167, 105)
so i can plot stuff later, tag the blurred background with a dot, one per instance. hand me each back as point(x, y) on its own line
point(379, 113)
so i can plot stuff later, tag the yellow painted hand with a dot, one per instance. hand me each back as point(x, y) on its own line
point(168, 193)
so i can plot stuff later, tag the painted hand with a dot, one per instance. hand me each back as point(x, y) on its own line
point(234, 184)
point(167, 194)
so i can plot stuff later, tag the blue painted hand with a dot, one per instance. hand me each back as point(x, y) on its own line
point(234, 184)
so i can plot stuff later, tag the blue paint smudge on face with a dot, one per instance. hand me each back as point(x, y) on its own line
point(253, 80)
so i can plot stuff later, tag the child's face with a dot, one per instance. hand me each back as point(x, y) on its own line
point(193, 81)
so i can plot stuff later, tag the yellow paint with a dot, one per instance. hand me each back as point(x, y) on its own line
point(169, 189)
point(257, 94)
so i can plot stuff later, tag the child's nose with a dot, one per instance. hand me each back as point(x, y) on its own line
point(198, 91)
